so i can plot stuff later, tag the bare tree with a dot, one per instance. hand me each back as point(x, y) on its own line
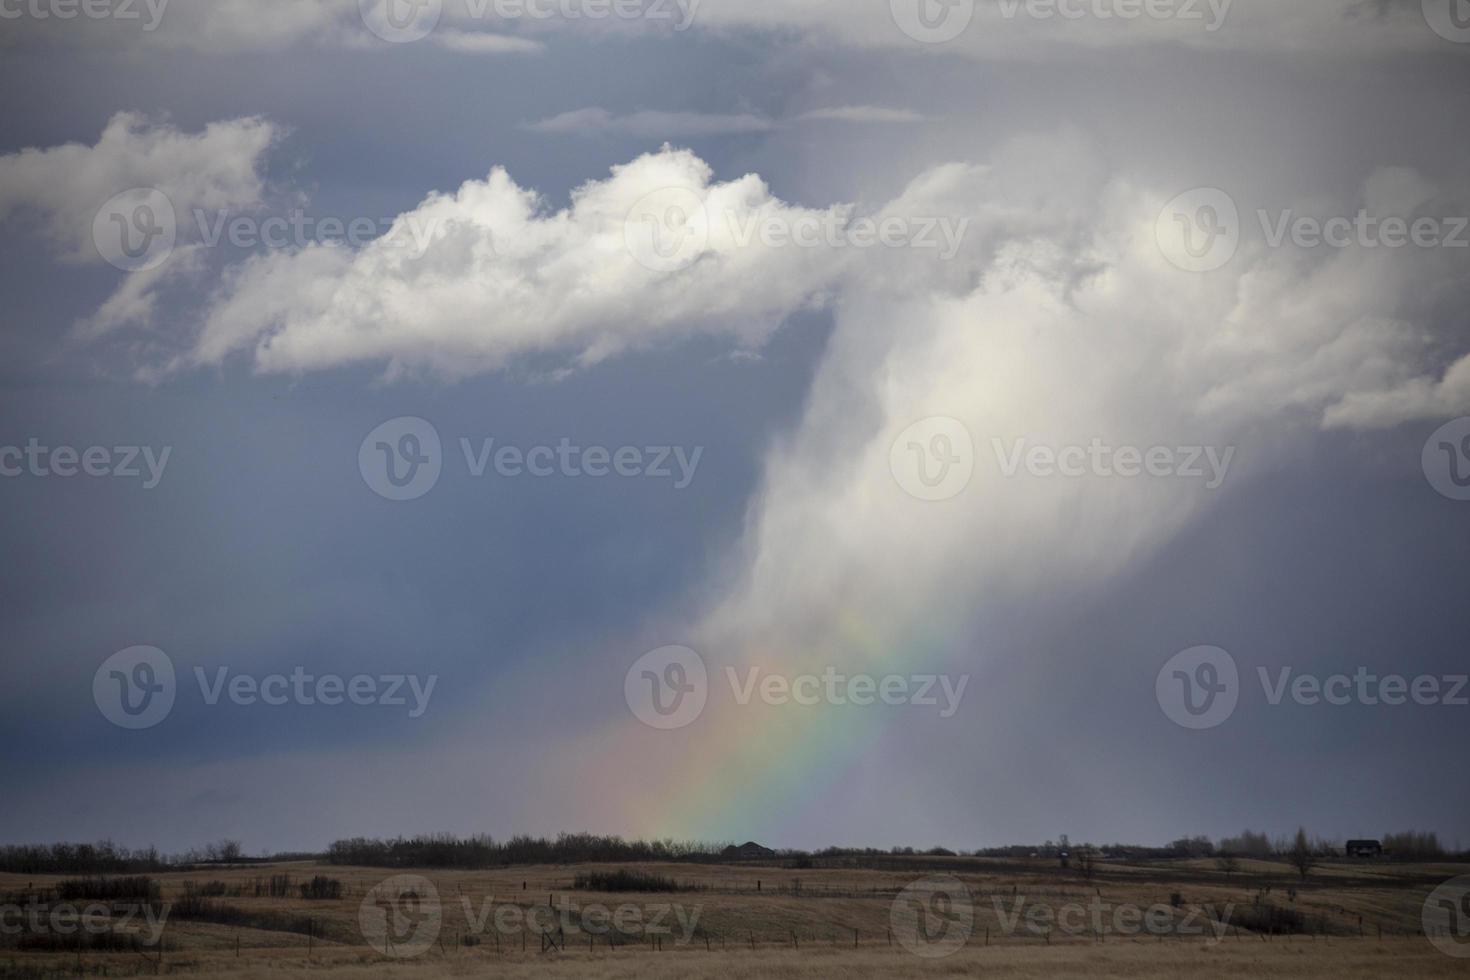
point(1228, 863)
point(1301, 856)
point(224, 851)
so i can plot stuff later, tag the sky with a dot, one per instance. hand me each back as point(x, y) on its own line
point(876, 422)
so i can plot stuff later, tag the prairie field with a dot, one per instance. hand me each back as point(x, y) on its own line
point(891, 917)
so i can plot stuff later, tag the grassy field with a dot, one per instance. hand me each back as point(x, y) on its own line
point(903, 917)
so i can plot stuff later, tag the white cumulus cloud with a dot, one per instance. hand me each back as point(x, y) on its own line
point(62, 187)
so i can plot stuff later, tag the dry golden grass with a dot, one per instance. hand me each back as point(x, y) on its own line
point(1126, 960)
point(778, 922)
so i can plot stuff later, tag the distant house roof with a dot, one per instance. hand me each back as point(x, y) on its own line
point(750, 849)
